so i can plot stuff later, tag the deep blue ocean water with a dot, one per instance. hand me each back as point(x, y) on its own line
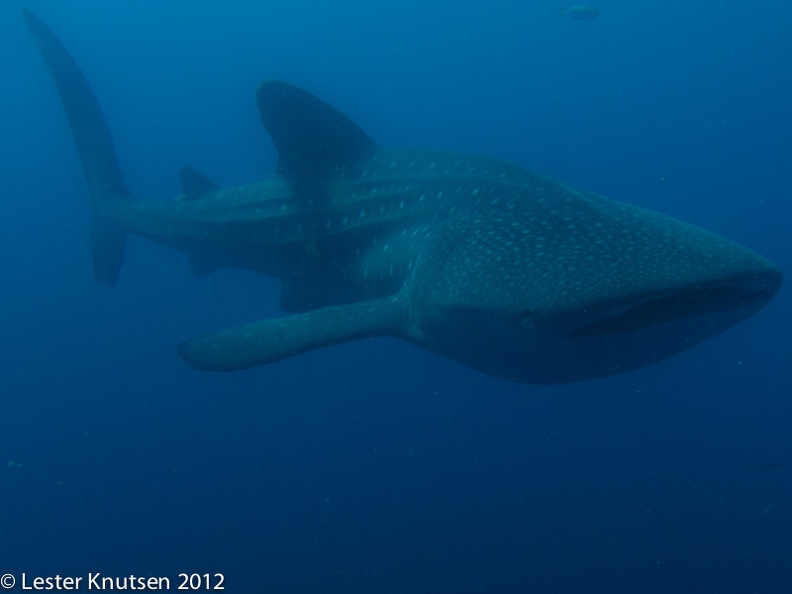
point(375, 466)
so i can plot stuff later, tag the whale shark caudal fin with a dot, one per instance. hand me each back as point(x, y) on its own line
point(278, 338)
point(94, 145)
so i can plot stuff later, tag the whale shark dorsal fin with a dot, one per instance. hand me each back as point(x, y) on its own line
point(315, 141)
point(278, 338)
point(195, 184)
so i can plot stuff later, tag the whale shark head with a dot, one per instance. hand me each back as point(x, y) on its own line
point(572, 286)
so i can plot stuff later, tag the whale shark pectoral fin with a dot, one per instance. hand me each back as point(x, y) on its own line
point(274, 339)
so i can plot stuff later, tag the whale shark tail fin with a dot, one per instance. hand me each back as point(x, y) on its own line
point(108, 245)
point(95, 147)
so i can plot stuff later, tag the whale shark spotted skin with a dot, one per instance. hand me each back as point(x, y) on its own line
point(514, 274)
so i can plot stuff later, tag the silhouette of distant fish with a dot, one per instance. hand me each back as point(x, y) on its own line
point(580, 12)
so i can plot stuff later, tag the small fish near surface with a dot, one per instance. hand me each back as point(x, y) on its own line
point(580, 12)
point(512, 273)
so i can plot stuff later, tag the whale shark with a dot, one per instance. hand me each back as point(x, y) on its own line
point(515, 274)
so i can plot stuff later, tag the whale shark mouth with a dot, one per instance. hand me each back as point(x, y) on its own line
point(746, 294)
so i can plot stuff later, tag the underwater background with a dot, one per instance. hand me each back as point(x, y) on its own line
point(375, 466)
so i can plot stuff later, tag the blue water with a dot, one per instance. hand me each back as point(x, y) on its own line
point(374, 466)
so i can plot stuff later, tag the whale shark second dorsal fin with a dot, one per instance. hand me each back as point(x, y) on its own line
point(315, 142)
point(195, 184)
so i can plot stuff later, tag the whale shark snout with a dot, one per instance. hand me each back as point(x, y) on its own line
point(601, 339)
